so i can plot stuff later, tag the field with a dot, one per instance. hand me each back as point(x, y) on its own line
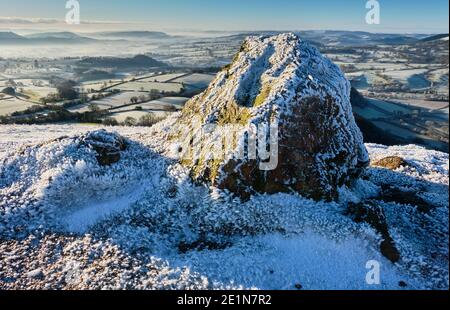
point(163, 78)
point(159, 108)
point(97, 85)
point(10, 105)
point(122, 116)
point(196, 80)
point(177, 101)
point(163, 104)
point(149, 86)
point(426, 104)
point(108, 102)
point(117, 102)
point(407, 83)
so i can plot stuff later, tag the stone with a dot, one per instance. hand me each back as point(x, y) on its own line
point(282, 88)
point(391, 162)
point(108, 146)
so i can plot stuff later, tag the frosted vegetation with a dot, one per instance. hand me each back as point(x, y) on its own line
point(92, 207)
point(141, 223)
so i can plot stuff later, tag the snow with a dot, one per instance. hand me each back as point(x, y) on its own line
point(313, 261)
point(80, 220)
point(269, 242)
point(403, 75)
point(142, 223)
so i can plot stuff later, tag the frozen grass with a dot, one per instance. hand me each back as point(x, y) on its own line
point(122, 116)
point(109, 102)
point(404, 75)
point(9, 106)
point(163, 78)
point(196, 80)
point(148, 86)
point(145, 213)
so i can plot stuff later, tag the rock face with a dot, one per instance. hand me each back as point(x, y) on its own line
point(278, 87)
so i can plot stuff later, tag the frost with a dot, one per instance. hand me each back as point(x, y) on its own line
point(142, 224)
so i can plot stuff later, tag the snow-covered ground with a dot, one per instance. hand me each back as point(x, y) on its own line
point(67, 222)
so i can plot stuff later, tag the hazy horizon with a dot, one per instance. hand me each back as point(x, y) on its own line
point(413, 16)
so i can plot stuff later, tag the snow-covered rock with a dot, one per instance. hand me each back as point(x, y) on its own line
point(141, 223)
point(278, 87)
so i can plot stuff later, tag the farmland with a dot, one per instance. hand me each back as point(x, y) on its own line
point(406, 84)
point(10, 105)
point(158, 93)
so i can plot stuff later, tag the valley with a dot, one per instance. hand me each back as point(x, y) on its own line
point(404, 79)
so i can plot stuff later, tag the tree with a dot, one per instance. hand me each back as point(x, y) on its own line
point(154, 94)
point(148, 120)
point(94, 108)
point(66, 90)
point(129, 121)
point(109, 121)
point(9, 91)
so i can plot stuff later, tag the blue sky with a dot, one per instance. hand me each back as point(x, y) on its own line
point(425, 16)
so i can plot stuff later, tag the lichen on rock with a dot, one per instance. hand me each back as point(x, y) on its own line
point(282, 81)
point(390, 162)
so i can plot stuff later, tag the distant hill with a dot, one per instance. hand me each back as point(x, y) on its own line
point(44, 38)
point(343, 38)
point(358, 38)
point(10, 37)
point(59, 37)
point(133, 35)
point(54, 35)
point(443, 37)
point(139, 61)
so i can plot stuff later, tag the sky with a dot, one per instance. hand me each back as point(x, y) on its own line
point(398, 16)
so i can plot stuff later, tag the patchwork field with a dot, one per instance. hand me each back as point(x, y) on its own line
point(122, 116)
point(108, 102)
point(10, 105)
point(196, 80)
point(149, 86)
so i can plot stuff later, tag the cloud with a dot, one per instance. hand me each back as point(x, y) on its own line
point(27, 21)
point(48, 21)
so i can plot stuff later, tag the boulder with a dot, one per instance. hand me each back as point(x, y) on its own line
point(108, 146)
point(277, 119)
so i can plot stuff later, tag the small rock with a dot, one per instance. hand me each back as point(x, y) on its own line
point(108, 146)
point(35, 274)
point(391, 162)
point(402, 284)
point(298, 286)
point(372, 213)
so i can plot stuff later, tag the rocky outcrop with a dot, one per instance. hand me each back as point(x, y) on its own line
point(277, 87)
point(108, 146)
